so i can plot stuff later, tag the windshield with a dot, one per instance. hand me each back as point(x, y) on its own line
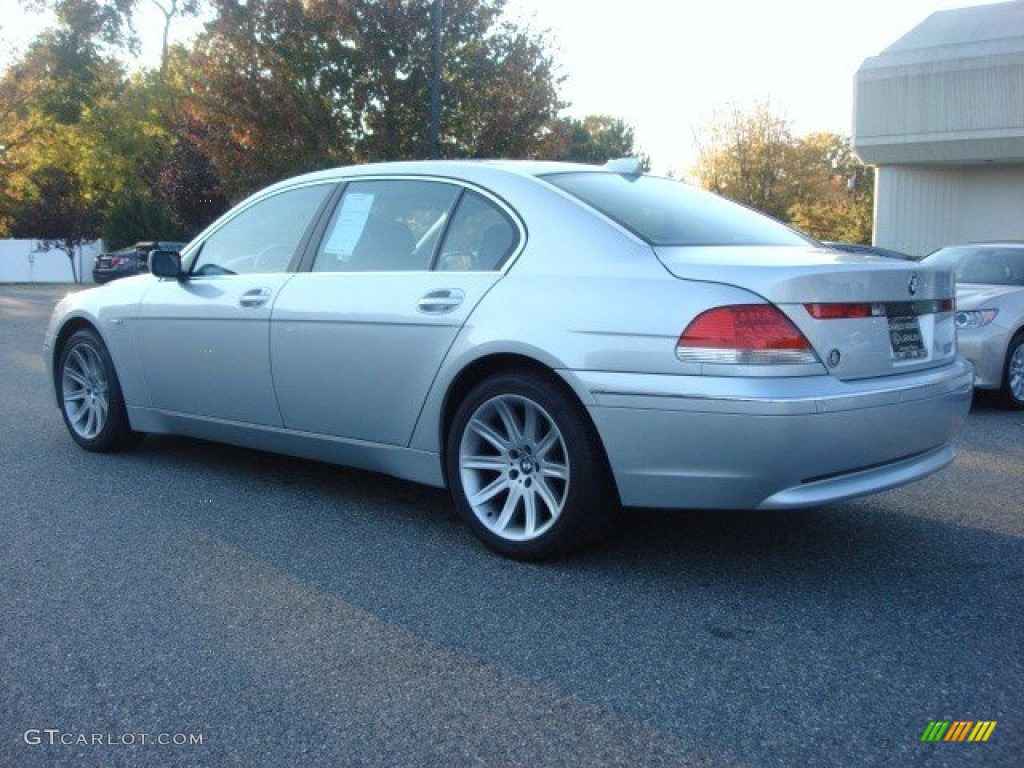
point(668, 212)
point(989, 265)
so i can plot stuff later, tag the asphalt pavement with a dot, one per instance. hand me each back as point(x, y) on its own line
point(188, 604)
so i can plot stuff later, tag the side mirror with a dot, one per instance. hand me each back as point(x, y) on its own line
point(165, 264)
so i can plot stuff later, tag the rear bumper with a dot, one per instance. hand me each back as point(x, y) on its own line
point(701, 442)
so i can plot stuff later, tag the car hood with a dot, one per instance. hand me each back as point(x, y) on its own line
point(786, 275)
point(119, 298)
point(975, 295)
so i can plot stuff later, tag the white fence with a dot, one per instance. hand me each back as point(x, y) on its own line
point(23, 261)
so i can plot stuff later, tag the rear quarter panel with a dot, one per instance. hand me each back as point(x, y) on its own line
point(579, 304)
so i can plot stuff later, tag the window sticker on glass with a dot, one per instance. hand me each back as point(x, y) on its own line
point(349, 225)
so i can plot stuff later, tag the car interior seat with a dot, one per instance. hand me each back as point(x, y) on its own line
point(384, 245)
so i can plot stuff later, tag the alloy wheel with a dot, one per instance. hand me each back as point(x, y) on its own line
point(86, 391)
point(514, 467)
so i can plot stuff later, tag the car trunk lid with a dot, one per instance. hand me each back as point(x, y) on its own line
point(863, 316)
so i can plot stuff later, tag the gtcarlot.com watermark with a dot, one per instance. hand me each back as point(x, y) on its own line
point(36, 737)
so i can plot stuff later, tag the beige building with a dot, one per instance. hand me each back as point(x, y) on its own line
point(940, 112)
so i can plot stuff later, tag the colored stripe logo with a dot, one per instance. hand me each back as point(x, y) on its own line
point(958, 730)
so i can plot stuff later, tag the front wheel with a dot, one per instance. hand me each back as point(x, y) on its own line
point(1013, 375)
point(90, 395)
point(526, 468)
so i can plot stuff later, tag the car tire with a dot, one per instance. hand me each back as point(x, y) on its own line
point(526, 468)
point(1013, 373)
point(90, 395)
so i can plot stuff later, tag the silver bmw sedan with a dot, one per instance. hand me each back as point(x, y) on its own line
point(549, 341)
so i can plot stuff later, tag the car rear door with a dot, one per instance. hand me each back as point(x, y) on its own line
point(357, 341)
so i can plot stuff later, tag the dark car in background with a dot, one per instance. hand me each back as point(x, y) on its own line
point(128, 261)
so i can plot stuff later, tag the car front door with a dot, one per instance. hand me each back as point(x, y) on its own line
point(357, 340)
point(204, 341)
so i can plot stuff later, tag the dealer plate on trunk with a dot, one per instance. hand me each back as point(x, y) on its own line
point(905, 337)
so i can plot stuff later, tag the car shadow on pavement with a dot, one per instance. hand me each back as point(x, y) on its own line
point(839, 614)
point(816, 537)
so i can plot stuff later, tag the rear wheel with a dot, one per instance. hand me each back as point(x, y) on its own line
point(1013, 374)
point(526, 468)
point(90, 395)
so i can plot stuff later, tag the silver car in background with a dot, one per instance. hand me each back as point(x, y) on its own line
point(990, 312)
point(547, 340)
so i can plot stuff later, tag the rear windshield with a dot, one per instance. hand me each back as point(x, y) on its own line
point(990, 265)
point(667, 212)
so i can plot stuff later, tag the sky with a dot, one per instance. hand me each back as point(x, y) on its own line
point(664, 65)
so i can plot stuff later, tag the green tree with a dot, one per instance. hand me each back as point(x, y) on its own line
point(835, 199)
point(131, 217)
point(190, 186)
point(103, 130)
point(111, 22)
point(500, 87)
point(50, 109)
point(283, 86)
point(744, 154)
point(270, 85)
point(171, 9)
point(107, 22)
point(274, 87)
point(57, 212)
point(814, 182)
point(20, 124)
point(593, 139)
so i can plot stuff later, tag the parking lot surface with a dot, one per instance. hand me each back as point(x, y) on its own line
point(189, 604)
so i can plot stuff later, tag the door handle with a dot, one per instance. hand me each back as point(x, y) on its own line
point(441, 301)
point(257, 297)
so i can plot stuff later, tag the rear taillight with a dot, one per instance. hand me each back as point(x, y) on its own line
point(744, 334)
point(858, 310)
point(843, 311)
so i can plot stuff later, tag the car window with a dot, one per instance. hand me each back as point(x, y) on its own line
point(386, 225)
point(668, 212)
point(264, 236)
point(481, 236)
point(991, 265)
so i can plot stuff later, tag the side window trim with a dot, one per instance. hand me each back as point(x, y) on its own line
point(452, 211)
point(311, 241)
